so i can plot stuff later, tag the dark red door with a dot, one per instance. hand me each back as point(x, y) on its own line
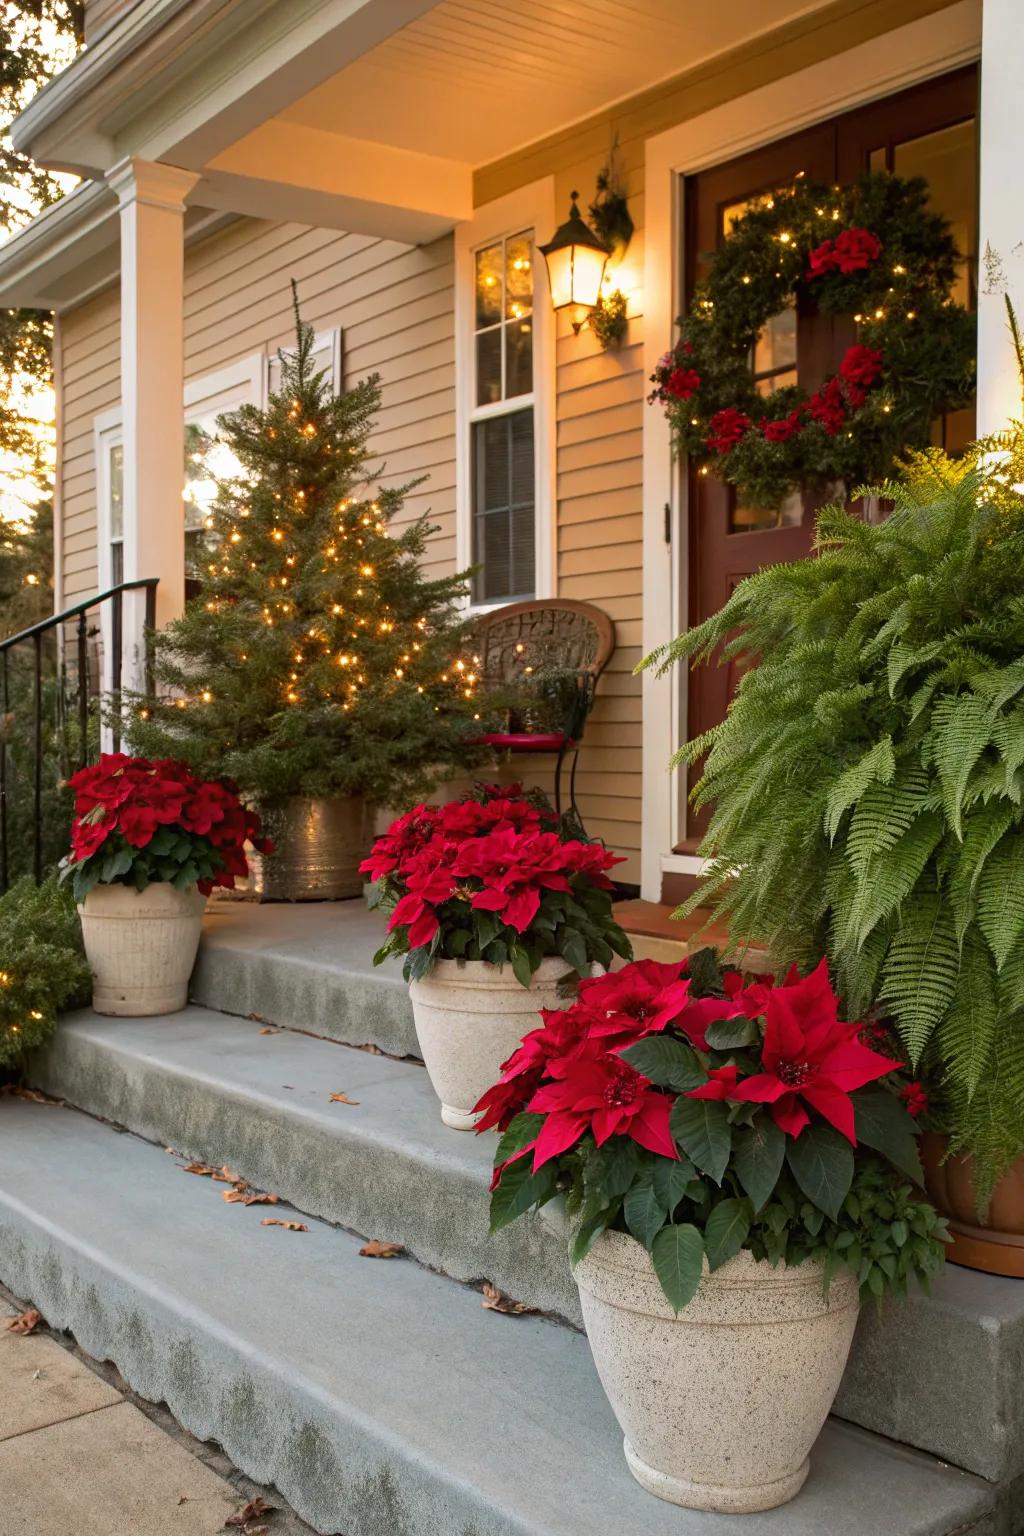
point(930, 131)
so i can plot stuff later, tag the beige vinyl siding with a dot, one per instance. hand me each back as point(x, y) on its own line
point(90, 384)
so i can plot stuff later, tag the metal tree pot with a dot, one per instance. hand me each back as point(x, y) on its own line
point(318, 845)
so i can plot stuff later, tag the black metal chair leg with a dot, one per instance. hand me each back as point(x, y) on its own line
point(572, 790)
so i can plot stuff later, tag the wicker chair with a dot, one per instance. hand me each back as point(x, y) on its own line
point(559, 639)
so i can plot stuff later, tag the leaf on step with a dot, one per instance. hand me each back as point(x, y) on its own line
point(237, 1195)
point(268, 1029)
point(496, 1301)
point(252, 1511)
point(342, 1098)
point(375, 1250)
point(289, 1226)
point(254, 1197)
point(25, 1322)
point(371, 1050)
point(17, 1091)
point(225, 1176)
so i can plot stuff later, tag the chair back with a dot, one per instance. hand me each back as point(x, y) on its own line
point(556, 634)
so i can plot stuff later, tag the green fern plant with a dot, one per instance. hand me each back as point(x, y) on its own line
point(867, 784)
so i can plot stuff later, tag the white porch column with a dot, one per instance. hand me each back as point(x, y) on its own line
point(152, 199)
point(1001, 244)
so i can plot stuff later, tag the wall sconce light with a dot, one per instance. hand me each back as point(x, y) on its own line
point(576, 260)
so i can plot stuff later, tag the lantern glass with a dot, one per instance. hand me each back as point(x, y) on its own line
point(576, 261)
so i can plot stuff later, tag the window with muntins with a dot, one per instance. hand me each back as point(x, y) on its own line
point(504, 477)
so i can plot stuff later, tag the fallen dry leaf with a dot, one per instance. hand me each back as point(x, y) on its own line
point(289, 1226)
point(371, 1050)
point(375, 1250)
point(243, 1195)
point(268, 1029)
point(17, 1091)
point(207, 1171)
point(25, 1322)
point(342, 1098)
point(252, 1511)
point(496, 1301)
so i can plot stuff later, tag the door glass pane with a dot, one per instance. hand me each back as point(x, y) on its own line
point(948, 161)
point(775, 350)
point(756, 519)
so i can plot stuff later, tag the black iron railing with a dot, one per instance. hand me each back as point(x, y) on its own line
point(55, 684)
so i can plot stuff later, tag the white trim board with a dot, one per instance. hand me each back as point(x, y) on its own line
point(898, 59)
point(529, 207)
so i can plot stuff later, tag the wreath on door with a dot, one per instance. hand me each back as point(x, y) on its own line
point(872, 251)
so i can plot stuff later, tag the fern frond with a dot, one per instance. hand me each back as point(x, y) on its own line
point(967, 1035)
point(962, 728)
point(1001, 897)
point(878, 763)
point(921, 970)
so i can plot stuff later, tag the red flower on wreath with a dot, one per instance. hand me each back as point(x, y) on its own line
point(821, 260)
point(856, 249)
point(682, 383)
point(726, 428)
point(861, 366)
point(828, 406)
point(782, 428)
point(810, 1058)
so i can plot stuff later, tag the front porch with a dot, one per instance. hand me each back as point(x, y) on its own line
point(289, 136)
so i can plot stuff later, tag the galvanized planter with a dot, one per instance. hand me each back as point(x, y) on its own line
point(318, 845)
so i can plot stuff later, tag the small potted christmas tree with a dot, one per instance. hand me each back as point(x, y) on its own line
point(317, 666)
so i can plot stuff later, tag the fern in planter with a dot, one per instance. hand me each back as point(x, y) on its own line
point(868, 782)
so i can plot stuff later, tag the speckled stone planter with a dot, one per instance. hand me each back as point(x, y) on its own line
point(721, 1404)
point(469, 1019)
point(141, 946)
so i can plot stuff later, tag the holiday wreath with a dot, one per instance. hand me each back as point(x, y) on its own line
point(871, 251)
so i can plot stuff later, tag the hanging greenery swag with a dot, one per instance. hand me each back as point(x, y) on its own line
point(873, 252)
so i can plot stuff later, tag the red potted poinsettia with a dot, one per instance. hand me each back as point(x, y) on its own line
point(149, 841)
point(739, 1166)
point(493, 907)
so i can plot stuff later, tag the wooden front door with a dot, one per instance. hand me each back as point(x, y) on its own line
point(929, 130)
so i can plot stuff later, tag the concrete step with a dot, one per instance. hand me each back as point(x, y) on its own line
point(307, 966)
point(378, 1397)
point(943, 1372)
point(219, 1090)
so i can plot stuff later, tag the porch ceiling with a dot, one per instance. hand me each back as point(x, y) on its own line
point(473, 80)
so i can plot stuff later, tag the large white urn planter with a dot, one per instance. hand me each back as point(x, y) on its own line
point(470, 1016)
point(720, 1404)
point(141, 946)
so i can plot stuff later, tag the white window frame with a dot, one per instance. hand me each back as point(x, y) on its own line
point(528, 208)
point(321, 340)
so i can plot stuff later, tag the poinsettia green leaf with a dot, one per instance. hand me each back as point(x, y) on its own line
point(574, 950)
point(669, 1063)
point(821, 1160)
point(725, 1230)
point(613, 1167)
point(518, 1189)
point(645, 1214)
point(671, 1179)
point(702, 1129)
point(759, 1152)
point(678, 1254)
point(883, 1124)
point(521, 968)
point(520, 1131)
point(730, 1034)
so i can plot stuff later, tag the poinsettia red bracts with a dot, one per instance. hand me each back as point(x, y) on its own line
point(135, 797)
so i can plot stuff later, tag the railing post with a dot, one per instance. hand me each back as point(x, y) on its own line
point(148, 638)
point(116, 643)
point(83, 691)
point(37, 743)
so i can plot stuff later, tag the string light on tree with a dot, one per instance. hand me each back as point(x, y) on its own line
point(354, 678)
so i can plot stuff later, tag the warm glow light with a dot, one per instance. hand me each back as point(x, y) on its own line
point(576, 261)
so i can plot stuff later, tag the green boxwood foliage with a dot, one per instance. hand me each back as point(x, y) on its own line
point(867, 784)
point(42, 965)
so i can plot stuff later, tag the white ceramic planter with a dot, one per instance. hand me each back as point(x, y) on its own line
point(469, 1019)
point(721, 1404)
point(141, 946)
